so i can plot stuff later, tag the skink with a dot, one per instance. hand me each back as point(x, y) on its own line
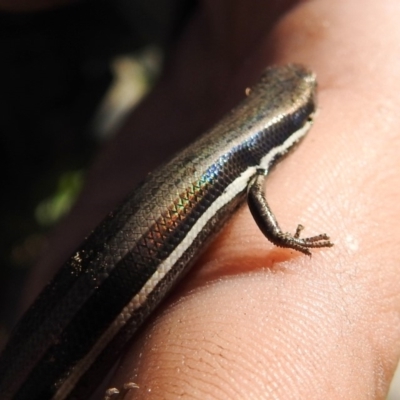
point(79, 325)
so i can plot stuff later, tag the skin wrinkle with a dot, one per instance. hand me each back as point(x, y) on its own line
point(188, 364)
point(203, 385)
point(284, 336)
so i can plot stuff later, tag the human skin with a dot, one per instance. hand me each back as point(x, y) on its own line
point(252, 321)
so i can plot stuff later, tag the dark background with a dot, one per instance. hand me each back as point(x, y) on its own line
point(55, 69)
